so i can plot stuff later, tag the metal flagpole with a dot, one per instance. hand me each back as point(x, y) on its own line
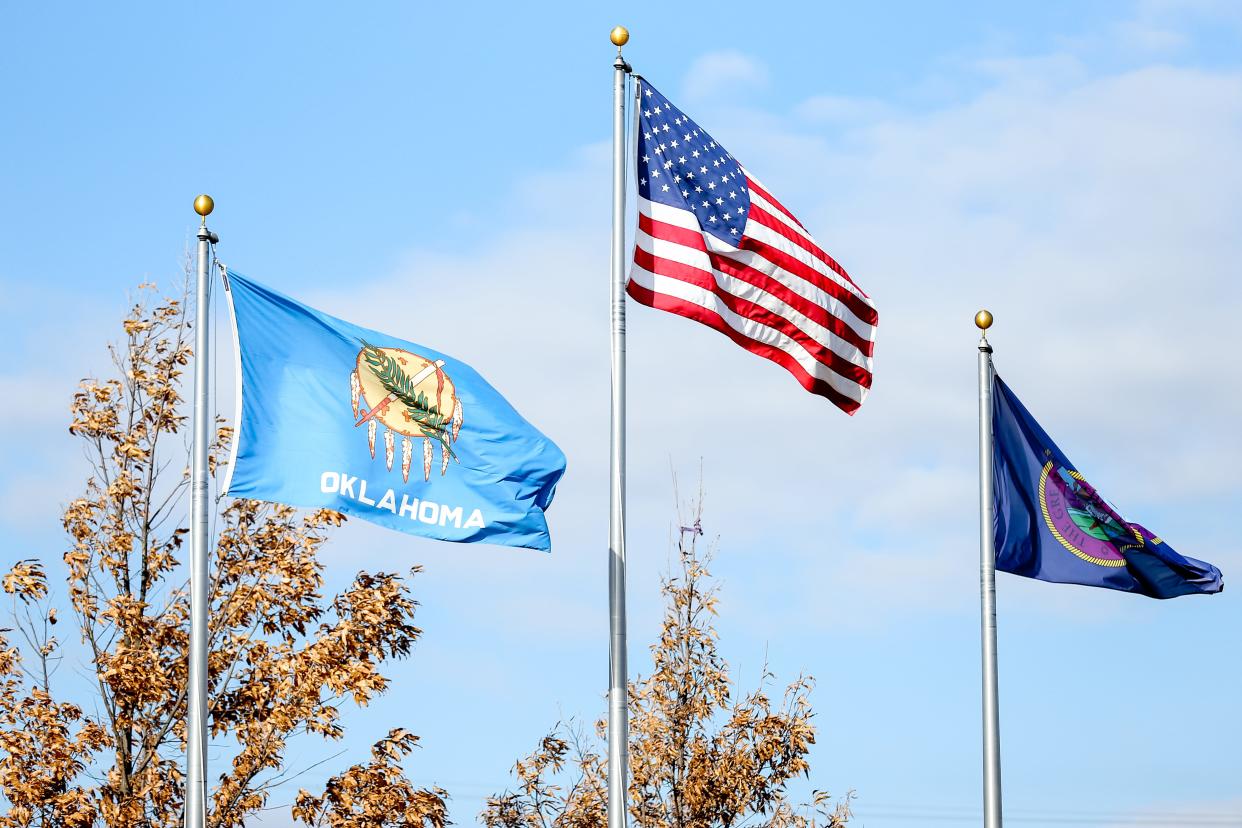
point(987, 584)
point(196, 695)
point(618, 683)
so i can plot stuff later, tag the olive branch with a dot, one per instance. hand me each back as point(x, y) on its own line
point(418, 409)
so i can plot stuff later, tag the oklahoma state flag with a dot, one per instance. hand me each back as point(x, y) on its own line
point(337, 416)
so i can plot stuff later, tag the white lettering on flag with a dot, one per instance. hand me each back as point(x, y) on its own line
point(424, 511)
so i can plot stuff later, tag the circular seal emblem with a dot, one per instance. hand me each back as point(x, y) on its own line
point(411, 397)
point(1080, 519)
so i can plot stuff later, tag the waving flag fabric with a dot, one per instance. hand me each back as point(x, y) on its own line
point(337, 416)
point(1052, 525)
point(713, 245)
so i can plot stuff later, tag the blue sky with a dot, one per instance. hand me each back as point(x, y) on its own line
point(442, 173)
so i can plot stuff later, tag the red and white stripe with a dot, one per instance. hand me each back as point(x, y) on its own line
point(776, 293)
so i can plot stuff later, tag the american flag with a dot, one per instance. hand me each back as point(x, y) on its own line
point(714, 246)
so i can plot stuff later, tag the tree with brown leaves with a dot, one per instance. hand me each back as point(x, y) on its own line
point(281, 658)
point(698, 759)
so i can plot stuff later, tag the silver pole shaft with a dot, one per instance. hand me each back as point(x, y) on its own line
point(987, 589)
point(618, 707)
point(196, 707)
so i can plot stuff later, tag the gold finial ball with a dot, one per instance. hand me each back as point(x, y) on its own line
point(203, 205)
point(619, 36)
point(983, 320)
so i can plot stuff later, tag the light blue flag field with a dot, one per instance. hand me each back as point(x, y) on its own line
point(331, 415)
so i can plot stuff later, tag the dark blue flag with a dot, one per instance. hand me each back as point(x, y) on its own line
point(1052, 525)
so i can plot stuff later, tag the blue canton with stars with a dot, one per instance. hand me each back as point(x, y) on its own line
point(682, 166)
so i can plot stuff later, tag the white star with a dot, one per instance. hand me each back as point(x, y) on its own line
point(646, 159)
point(733, 231)
point(674, 144)
point(711, 218)
point(668, 164)
point(642, 181)
point(694, 154)
point(720, 201)
point(646, 136)
point(656, 174)
point(665, 127)
point(646, 113)
point(705, 204)
point(664, 188)
point(727, 216)
point(676, 179)
point(733, 194)
point(648, 91)
point(710, 186)
point(698, 189)
point(662, 148)
point(657, 110)
point(681, 160)
point(702, 169)
point(685, 193)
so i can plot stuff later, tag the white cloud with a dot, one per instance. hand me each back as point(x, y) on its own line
point(1033, 73)
point(1174, 12)
point(1144, 36)
point(43, 366)
point(838, 109)
point(1093, 214)
point(27, 400)
point(723, 74)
